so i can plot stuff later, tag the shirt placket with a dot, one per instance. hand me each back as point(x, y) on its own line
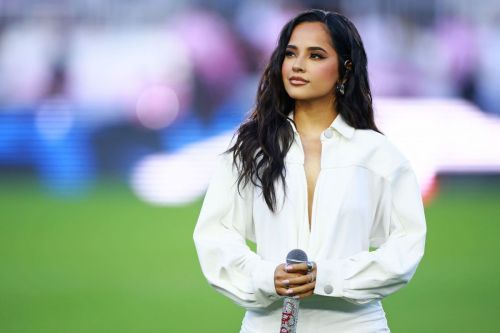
point(303, 233)
point(328, 137)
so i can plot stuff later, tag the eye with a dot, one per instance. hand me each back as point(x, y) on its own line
point(313, 55)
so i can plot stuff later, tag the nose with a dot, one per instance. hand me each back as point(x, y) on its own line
point(298, 65)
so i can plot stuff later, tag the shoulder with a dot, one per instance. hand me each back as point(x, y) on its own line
point(377, 152)
point(226, 164)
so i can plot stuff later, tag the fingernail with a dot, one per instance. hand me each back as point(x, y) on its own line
point(288, 267)
point(286, 282)
point(289, 291)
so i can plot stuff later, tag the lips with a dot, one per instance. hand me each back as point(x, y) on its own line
point(297, 81)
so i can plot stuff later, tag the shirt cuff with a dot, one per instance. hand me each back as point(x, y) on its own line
point(329, 281)
point(263, 278)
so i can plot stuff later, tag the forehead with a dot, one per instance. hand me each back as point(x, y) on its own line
point(311, 34)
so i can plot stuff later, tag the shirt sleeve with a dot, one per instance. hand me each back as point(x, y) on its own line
point(224, 224)
point(398, 234)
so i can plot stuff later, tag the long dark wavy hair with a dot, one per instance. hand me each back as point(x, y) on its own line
point(265, 138)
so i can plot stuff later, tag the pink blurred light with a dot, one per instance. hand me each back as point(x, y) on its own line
point(157, 106)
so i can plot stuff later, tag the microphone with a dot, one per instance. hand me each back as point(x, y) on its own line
point(290, 313)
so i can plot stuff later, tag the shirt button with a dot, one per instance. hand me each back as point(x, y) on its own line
point(328, 289)
point(328, 133)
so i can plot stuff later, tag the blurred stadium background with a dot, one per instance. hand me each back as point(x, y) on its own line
point(111, 114)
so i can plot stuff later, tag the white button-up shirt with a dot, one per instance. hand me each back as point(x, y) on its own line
point(366, 236)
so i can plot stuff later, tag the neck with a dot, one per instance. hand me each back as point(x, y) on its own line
point(312, 118)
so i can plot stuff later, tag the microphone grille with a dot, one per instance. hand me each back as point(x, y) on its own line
point(296, 256)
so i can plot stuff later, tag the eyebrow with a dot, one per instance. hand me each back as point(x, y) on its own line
point(310, 48)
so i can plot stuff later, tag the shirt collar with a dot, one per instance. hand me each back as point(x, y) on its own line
point(338, 124)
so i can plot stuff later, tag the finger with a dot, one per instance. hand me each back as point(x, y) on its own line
point(298, 281)
point(304, 295)
point(279, 280)
point(289, 279)
point(292, 268)
point(289, 292)
point(302, 279)
point(282, 291)
point(283, 273)
point(293, 281)
point(301, 268)
point(301, 289)
point(284, 284)
point(288, 276)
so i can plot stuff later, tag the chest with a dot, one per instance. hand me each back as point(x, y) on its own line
point(312, 161)
point(312, 167)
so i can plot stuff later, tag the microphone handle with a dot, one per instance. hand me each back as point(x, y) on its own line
point(289, 315)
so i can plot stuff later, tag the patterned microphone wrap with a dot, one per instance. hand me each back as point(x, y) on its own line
point(289, 315)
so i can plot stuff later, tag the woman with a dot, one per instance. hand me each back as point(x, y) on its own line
point(309, 169)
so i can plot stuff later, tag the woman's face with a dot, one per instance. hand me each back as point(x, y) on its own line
point(310, 56)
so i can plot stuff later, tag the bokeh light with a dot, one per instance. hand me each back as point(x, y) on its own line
point(54, 119)
point(157, 106)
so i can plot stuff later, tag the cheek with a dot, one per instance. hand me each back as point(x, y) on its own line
point(328, 74)
point(285, 68)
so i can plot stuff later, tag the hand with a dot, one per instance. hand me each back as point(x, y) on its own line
point(294, 280)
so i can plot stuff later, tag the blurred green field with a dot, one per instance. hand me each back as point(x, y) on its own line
point(109, 263)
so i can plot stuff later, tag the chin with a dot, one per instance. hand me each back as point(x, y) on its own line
point(301, 96)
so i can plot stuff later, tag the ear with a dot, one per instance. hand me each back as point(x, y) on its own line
point(348, 65)
point(348, 68)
